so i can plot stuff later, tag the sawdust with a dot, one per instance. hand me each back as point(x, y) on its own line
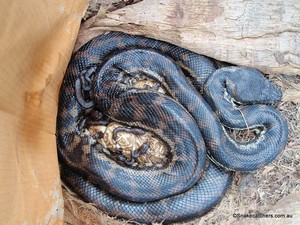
point(263, 191)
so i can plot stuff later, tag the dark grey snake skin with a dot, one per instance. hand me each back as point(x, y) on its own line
point(192, 128)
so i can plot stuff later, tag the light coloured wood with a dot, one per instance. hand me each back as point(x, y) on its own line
point(36, 40)
point(261, 34)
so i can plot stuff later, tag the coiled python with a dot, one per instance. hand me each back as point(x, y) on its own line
point(98, 82)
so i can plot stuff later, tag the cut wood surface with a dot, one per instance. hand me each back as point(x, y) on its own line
point(260, 34)
point(36, 41)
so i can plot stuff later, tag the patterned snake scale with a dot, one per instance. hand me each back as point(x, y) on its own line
point(192, 125)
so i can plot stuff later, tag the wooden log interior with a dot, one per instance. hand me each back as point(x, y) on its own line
point(36, 41)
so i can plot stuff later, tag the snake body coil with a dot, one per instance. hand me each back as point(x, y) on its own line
point(190, 125)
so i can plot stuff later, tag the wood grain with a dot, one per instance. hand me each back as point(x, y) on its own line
point(261, 34)
point(36, 41)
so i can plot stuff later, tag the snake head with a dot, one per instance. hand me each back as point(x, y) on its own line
point(249, 86)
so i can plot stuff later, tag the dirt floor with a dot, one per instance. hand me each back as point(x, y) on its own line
point(272, 190)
